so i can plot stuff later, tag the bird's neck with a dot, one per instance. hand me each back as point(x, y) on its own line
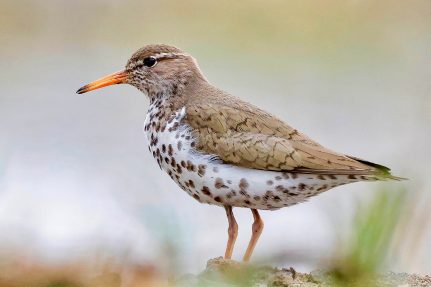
point(179, 93)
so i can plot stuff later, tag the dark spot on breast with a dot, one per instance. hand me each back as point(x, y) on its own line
point(256, 197)
point(279, 188)
point(179, 145)
point(321, 177)
point(268, 195)
point(170, 150)
point(247, 202)
point(205, 190)
point(269, 182)
point(191, 183)
point(163, 148)
point(166, 159)
point(196, 196)
point(285, 175)
point(277, 198)
point(190, 166)
point(243, 184)
point(219, 183)
point(331, 176)
point(183, 164)
point(278, 177)
point(244, 193)
point(179, 169)
point(351, 176)
point(173, 162)
point(201, 170)
point(294, 175)
point(215, 169)
point(301, 186)
point(218, 199)
point(323, 187)
point(175, 126)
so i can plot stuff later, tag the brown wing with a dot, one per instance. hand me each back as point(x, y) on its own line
point(241, 134)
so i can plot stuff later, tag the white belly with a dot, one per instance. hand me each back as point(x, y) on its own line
point(210, 181)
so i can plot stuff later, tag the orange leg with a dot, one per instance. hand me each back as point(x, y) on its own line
point(232, 231)
point(257, 228)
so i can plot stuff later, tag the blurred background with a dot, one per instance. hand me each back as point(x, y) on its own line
point(77, 183)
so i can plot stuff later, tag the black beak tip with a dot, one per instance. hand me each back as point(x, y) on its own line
point(81, 90)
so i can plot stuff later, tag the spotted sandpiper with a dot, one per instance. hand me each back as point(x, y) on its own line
point(224, 151)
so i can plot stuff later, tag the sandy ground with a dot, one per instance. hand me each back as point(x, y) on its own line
point(220, 272)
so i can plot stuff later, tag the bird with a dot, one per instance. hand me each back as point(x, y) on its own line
point(224, 151)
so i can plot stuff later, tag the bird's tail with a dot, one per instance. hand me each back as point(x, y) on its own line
point(380, 172)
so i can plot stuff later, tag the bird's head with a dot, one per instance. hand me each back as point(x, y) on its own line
point(155, 70)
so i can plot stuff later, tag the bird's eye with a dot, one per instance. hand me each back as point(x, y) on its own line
point(150, 61)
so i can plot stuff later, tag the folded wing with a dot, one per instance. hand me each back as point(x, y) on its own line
point(243, 135)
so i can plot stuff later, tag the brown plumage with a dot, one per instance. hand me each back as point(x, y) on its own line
point(244, 135)
point(224, 151)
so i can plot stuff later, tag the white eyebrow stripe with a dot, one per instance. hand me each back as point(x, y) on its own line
point(168, 55)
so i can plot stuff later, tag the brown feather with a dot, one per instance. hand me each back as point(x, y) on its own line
point(241, 134)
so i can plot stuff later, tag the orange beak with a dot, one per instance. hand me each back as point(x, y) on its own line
point(115, 78)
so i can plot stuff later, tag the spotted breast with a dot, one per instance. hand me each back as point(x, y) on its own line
point(209, 180)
